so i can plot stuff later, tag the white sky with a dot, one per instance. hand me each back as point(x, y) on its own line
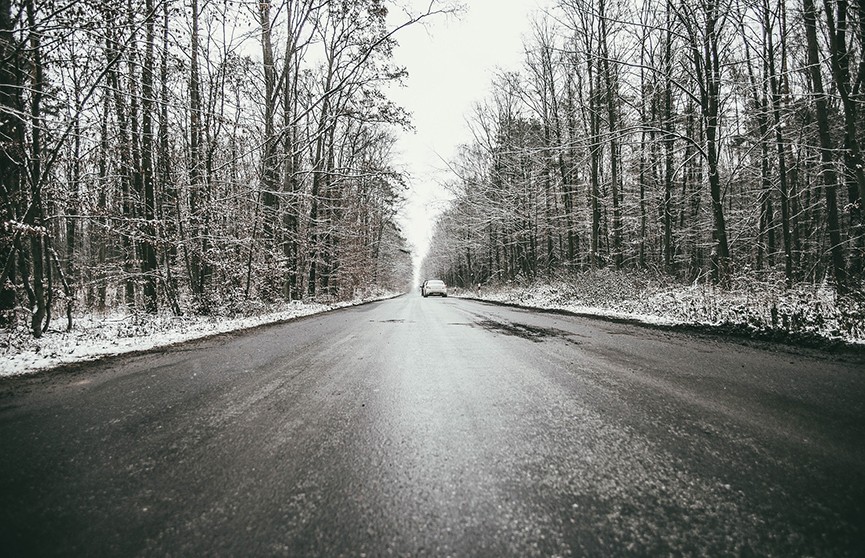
point(451, 63)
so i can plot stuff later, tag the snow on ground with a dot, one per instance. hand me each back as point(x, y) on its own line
point(95, 337)
point(763, 308)
point(547, 299)
point(806, 312)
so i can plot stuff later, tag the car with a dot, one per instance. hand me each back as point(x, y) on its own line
point(434, 287)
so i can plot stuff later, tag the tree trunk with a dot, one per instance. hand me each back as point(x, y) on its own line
point(669, 144)
point(72, 206)
point(194, 257)
point(830, 179)
point(611, 94)
point(37, 237)
point(149, 265)
point(595, 155)
point(780, 148)
point(269, 159)
point(125, 155)
point(167, 193)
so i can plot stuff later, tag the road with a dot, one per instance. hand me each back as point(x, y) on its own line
point(439, 427)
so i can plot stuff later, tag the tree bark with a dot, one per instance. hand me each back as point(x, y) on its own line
point(669, 144)
point(781, 149)
point(37, 236)
point(194, 255)
point(611, 94)
point(830, 178)
point(149, 265)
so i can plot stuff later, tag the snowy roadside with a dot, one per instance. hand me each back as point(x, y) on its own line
point(532, 299)
point(810, 316)
point(96, 337)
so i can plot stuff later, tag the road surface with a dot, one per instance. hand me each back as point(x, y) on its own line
point(439, 427)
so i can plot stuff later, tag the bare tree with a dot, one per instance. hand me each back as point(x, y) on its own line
point(830, 178)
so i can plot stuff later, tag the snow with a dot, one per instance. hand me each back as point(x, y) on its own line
point(805, 312)
point(808, 311)
point(98, 336)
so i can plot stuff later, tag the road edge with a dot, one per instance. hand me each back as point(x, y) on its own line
point(776, 339)
point(85, 361)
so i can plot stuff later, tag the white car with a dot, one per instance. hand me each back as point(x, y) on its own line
point(434, 287)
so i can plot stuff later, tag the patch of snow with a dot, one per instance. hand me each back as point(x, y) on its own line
point(95, 337)
point(751, 306)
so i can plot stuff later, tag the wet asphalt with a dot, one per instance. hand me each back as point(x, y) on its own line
point(439, 427)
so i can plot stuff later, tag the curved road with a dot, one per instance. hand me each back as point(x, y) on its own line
point(439, 427)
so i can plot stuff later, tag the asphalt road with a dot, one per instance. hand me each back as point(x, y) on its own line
point(439, 427)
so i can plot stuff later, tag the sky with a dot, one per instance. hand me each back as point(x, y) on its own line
point(451, 64)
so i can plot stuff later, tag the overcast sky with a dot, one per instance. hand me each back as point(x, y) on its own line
point(451, 64)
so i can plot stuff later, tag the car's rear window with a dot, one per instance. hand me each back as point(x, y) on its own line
point(435, 283)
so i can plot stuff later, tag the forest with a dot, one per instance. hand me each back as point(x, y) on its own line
point(711, 141)
point(194, 156)
point(204, 156)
